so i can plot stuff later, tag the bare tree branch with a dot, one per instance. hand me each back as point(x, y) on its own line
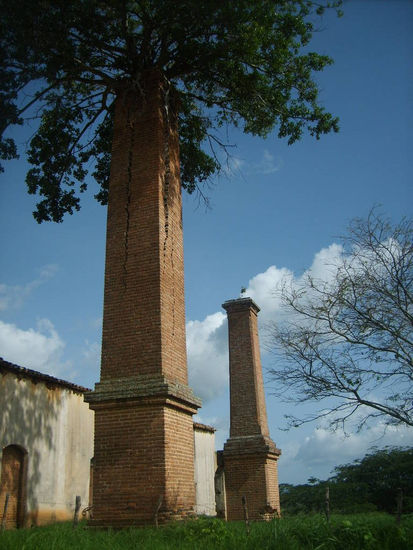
point(351, 338)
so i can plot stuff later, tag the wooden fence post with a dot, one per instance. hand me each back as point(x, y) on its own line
point(78, 503)
point(328, 503)
point(3, 519)
point(399, 499)
point(244, 505)
point(158, 507)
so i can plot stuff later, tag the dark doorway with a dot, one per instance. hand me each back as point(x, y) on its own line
point(12, 483)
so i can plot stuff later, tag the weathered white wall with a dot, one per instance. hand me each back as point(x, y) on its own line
point(205, 466)
point(55, 427)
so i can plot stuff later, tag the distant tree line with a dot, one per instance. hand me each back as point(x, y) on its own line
point(373, 483)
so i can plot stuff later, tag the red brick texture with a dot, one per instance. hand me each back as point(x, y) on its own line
point(250, 456)
point(144, 309)
point(143, 406)
point(255, 477)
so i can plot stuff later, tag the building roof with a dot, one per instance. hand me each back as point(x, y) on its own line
point(203, 427)
point(35, 377)
point(51, 381)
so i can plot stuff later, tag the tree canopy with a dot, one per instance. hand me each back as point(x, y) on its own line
point(367, 484)
point(347, 341)
point(244, 63)
point(382, 473)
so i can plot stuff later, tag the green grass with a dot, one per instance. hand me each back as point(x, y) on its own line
point(364, 531)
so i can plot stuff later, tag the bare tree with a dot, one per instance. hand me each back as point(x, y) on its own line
point(347, 343)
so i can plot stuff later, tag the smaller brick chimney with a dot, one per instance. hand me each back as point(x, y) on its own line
point(250, 456)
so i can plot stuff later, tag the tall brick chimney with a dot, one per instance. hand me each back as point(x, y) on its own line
point(250, 456)
point(144, 454)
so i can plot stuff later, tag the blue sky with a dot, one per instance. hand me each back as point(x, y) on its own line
point(277, 210)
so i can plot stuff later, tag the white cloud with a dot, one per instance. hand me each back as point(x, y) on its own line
point(207, 340)
point(269, 164)
point(232, 166)
point(39, 349)
point(91, 353)
point(88, 366)
point(96, 323)
point(322, 450)
point(208, 355)
point(261, 288)
point(12, 297)
point(325, 263)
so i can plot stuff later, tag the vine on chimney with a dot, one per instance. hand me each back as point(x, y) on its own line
point(167, 162)
point(166, 188)
point(130, 125)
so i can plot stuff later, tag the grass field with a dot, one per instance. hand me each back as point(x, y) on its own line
point(370, 531)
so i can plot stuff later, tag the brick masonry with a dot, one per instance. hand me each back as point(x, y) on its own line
point(250, 456)
point(143, 405)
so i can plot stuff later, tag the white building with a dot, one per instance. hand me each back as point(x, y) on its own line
point(46, 447)
point(205, 466)
point(46, 439)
